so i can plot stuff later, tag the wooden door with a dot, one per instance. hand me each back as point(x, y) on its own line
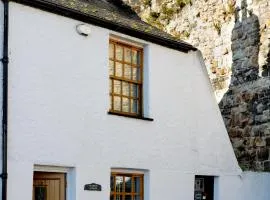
point(49, 186)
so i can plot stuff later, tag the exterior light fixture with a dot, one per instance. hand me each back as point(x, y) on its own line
point(83, 29)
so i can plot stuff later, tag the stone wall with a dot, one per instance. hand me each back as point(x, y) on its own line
point(246, 105)
point(234, 37)
point(246, 112)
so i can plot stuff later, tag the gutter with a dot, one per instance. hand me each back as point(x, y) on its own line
point(5, 61)
point(77, 15)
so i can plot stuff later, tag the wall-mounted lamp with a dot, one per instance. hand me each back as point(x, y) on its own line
point(83, 29)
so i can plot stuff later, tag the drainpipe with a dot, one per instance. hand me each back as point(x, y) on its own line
point(5, 61)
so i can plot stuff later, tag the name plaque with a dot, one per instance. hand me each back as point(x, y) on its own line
point(92, 187)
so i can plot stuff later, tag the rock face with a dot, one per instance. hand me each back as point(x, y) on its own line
point(234, 37)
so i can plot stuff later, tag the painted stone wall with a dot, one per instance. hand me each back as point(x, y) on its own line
point(234, 37)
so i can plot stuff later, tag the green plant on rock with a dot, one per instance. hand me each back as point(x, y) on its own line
point(181, 35)
point(185, 34)
point(268, 24)
point(166, 10)
point(147, 3)
point(217, 25)
point(244, 167)
point(229, 8)
point(183, 3)
point(153, 20)
point(167, 13)
point(154, 15)
point(176, 35)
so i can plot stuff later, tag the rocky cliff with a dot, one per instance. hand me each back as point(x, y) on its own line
point(234, 37)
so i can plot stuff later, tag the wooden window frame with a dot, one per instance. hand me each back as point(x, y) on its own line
point(114, 193)
point(122, 79)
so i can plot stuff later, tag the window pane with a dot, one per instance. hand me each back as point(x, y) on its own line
point(127, 72)
point(117, 103)
point(125, 104)
point(128, 197)
point(128, 185)
point(134, 106)
point(125, 89)
point(137, 184)
point(111, 102)
point(134, 90)
point(119, 53)
point(118, 69)
point(111, 197)
point(128, 55)
point(137, 197)
point(112, 183)
point(110, 85)
point(136, 74)
point(117, 87)
point(111, 50)
point(40, 193)
point(135, 57)
point(119, 183)
point(118, 197)
point(111, 67)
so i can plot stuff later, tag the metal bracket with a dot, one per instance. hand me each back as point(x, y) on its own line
point(5, 60)
point(4, 176)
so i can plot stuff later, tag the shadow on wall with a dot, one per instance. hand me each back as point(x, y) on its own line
point(245, 46)
point(246, 105)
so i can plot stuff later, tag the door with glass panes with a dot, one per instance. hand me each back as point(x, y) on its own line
point(49, 186)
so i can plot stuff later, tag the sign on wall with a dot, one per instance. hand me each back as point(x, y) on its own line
point(92, 187)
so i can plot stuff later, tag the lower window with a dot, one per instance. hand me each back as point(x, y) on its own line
point(126, 186)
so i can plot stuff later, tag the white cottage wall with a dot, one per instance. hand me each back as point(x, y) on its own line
point(58, 103)
point(248, 186)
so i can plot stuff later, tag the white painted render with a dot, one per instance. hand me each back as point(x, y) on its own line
point(58, 103)
point(247, 186)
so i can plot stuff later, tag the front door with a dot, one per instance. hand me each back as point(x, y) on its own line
point(49, 186)
point(204, 188)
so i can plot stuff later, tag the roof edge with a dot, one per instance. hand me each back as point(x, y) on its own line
point(70, 13)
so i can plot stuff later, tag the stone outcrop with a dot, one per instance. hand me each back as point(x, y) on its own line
point(234, 37)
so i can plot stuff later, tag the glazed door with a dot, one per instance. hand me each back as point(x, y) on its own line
point(49, 186)
point(204, 188)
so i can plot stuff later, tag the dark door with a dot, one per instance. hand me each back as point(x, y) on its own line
point(204, 188)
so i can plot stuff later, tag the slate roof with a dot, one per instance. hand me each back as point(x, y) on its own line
point(111, 14)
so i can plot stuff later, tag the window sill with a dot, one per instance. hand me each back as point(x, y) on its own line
point(131, 116)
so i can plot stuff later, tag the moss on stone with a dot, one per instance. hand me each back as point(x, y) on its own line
point(147, 3)
point(183, 3)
